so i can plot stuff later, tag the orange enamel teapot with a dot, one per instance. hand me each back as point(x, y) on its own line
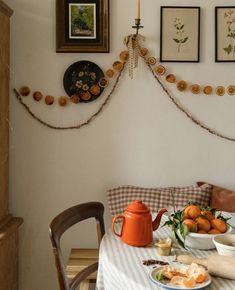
point(137, 226)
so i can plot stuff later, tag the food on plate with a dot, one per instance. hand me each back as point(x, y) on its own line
point(194, 218)
point(188, 276)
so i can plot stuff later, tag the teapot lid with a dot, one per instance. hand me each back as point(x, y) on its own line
point(138, 206)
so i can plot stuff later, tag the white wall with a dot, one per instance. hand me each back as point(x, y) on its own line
point(140, 138)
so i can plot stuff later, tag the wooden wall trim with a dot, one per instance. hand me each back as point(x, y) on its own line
point(5, 9)
point(9, 227)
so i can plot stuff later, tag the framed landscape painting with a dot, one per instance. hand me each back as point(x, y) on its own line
point(224, 33)
point(180, 34)
point(82, 25)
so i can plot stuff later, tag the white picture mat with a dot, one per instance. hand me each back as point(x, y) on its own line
point(222, 31)
point(189, 50)
point(70, 17)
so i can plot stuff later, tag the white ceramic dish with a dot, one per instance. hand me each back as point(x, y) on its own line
point(202, 241)
point(153, 273)
point(223, 244)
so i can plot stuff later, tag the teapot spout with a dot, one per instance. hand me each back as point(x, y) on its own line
point(157, 220)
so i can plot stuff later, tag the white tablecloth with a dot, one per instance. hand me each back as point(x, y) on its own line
point(121, 267)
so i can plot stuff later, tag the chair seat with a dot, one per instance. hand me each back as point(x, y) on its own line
point(79, 259)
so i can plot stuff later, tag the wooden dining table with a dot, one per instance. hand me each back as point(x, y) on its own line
point(121, 266)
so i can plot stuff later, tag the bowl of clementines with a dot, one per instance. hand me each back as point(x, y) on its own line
point(195, 226)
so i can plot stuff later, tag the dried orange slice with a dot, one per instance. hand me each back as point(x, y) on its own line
point(151, 60)
point(49, 100)
point(181, 86)
point(160, 70)
point(143, 51)
point(124, 55)
point(231, 90)
point(195, 89)
point(220, 90)
point(110, 73)
point(62, 101)
point(171, 78)
point(117, 65)
point(208, 90)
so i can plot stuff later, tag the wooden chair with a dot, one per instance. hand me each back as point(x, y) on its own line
point(82, 263)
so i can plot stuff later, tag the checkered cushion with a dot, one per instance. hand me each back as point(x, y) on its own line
point(155, 198)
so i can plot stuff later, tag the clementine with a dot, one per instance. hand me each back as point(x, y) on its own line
point(219, 224)
point(201, 232)
point(214, 232)
point(203, 223)
point(192, 227)
point(189, 283)
point(208, 214)
point(192, 211)
point(201, 278)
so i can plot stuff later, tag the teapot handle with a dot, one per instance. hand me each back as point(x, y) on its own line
point(113, 224)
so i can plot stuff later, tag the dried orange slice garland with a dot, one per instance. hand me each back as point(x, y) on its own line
point(131, 55)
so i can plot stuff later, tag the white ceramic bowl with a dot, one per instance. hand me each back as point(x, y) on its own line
point(202, 241)
point(224, 244)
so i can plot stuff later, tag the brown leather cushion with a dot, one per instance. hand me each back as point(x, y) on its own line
point(221, 198)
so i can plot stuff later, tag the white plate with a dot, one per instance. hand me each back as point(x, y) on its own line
point(153, 273)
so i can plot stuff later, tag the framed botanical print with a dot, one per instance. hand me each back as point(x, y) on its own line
point(180, 34)
point(224, 33)
point(82, 25)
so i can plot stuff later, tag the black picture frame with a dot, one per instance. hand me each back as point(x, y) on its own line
point(176, 45)
point(224, 34)
point(82, 26)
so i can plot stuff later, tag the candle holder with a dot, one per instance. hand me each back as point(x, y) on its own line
point(137, 25)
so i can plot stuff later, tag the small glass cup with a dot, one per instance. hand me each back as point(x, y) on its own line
point(164, 246)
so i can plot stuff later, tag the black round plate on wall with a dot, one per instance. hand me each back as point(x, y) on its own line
point(82, 78)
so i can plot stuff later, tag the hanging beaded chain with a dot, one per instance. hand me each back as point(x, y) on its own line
point(133, 42)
